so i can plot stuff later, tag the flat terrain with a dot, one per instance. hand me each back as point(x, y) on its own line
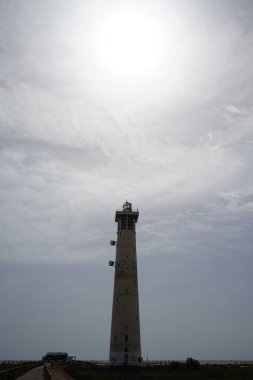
point(213, 372)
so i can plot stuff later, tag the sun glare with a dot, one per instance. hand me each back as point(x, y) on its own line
point(130, 44)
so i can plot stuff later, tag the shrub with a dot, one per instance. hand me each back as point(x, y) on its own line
point(174, 365)
point(192, 363)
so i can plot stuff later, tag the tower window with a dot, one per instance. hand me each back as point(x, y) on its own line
point(126, 338)
point(130, 223)
point(123, 222)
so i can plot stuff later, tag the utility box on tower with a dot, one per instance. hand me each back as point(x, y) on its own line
point(125, 345)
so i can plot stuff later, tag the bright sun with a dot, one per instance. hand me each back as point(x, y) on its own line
point(130, 44)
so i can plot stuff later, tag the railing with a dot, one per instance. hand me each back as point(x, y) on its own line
point(128, 210)
point(46, 373)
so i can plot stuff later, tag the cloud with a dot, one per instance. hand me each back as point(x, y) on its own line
point(77, 140)
point(241, 200)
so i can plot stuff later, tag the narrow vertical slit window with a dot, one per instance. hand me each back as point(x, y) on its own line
point(123, 222)
point(130, 224)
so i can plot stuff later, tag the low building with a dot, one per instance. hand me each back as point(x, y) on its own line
point(56, 357)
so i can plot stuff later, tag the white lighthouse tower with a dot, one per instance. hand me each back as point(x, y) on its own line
point(125, 345)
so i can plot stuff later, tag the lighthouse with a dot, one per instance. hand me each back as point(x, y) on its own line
point(125, 344)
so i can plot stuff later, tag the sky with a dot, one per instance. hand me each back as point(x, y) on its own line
point(145, 101)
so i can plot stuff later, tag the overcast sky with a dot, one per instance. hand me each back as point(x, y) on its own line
point(90, 119)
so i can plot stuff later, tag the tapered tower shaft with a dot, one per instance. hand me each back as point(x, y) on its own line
point(125, 345)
